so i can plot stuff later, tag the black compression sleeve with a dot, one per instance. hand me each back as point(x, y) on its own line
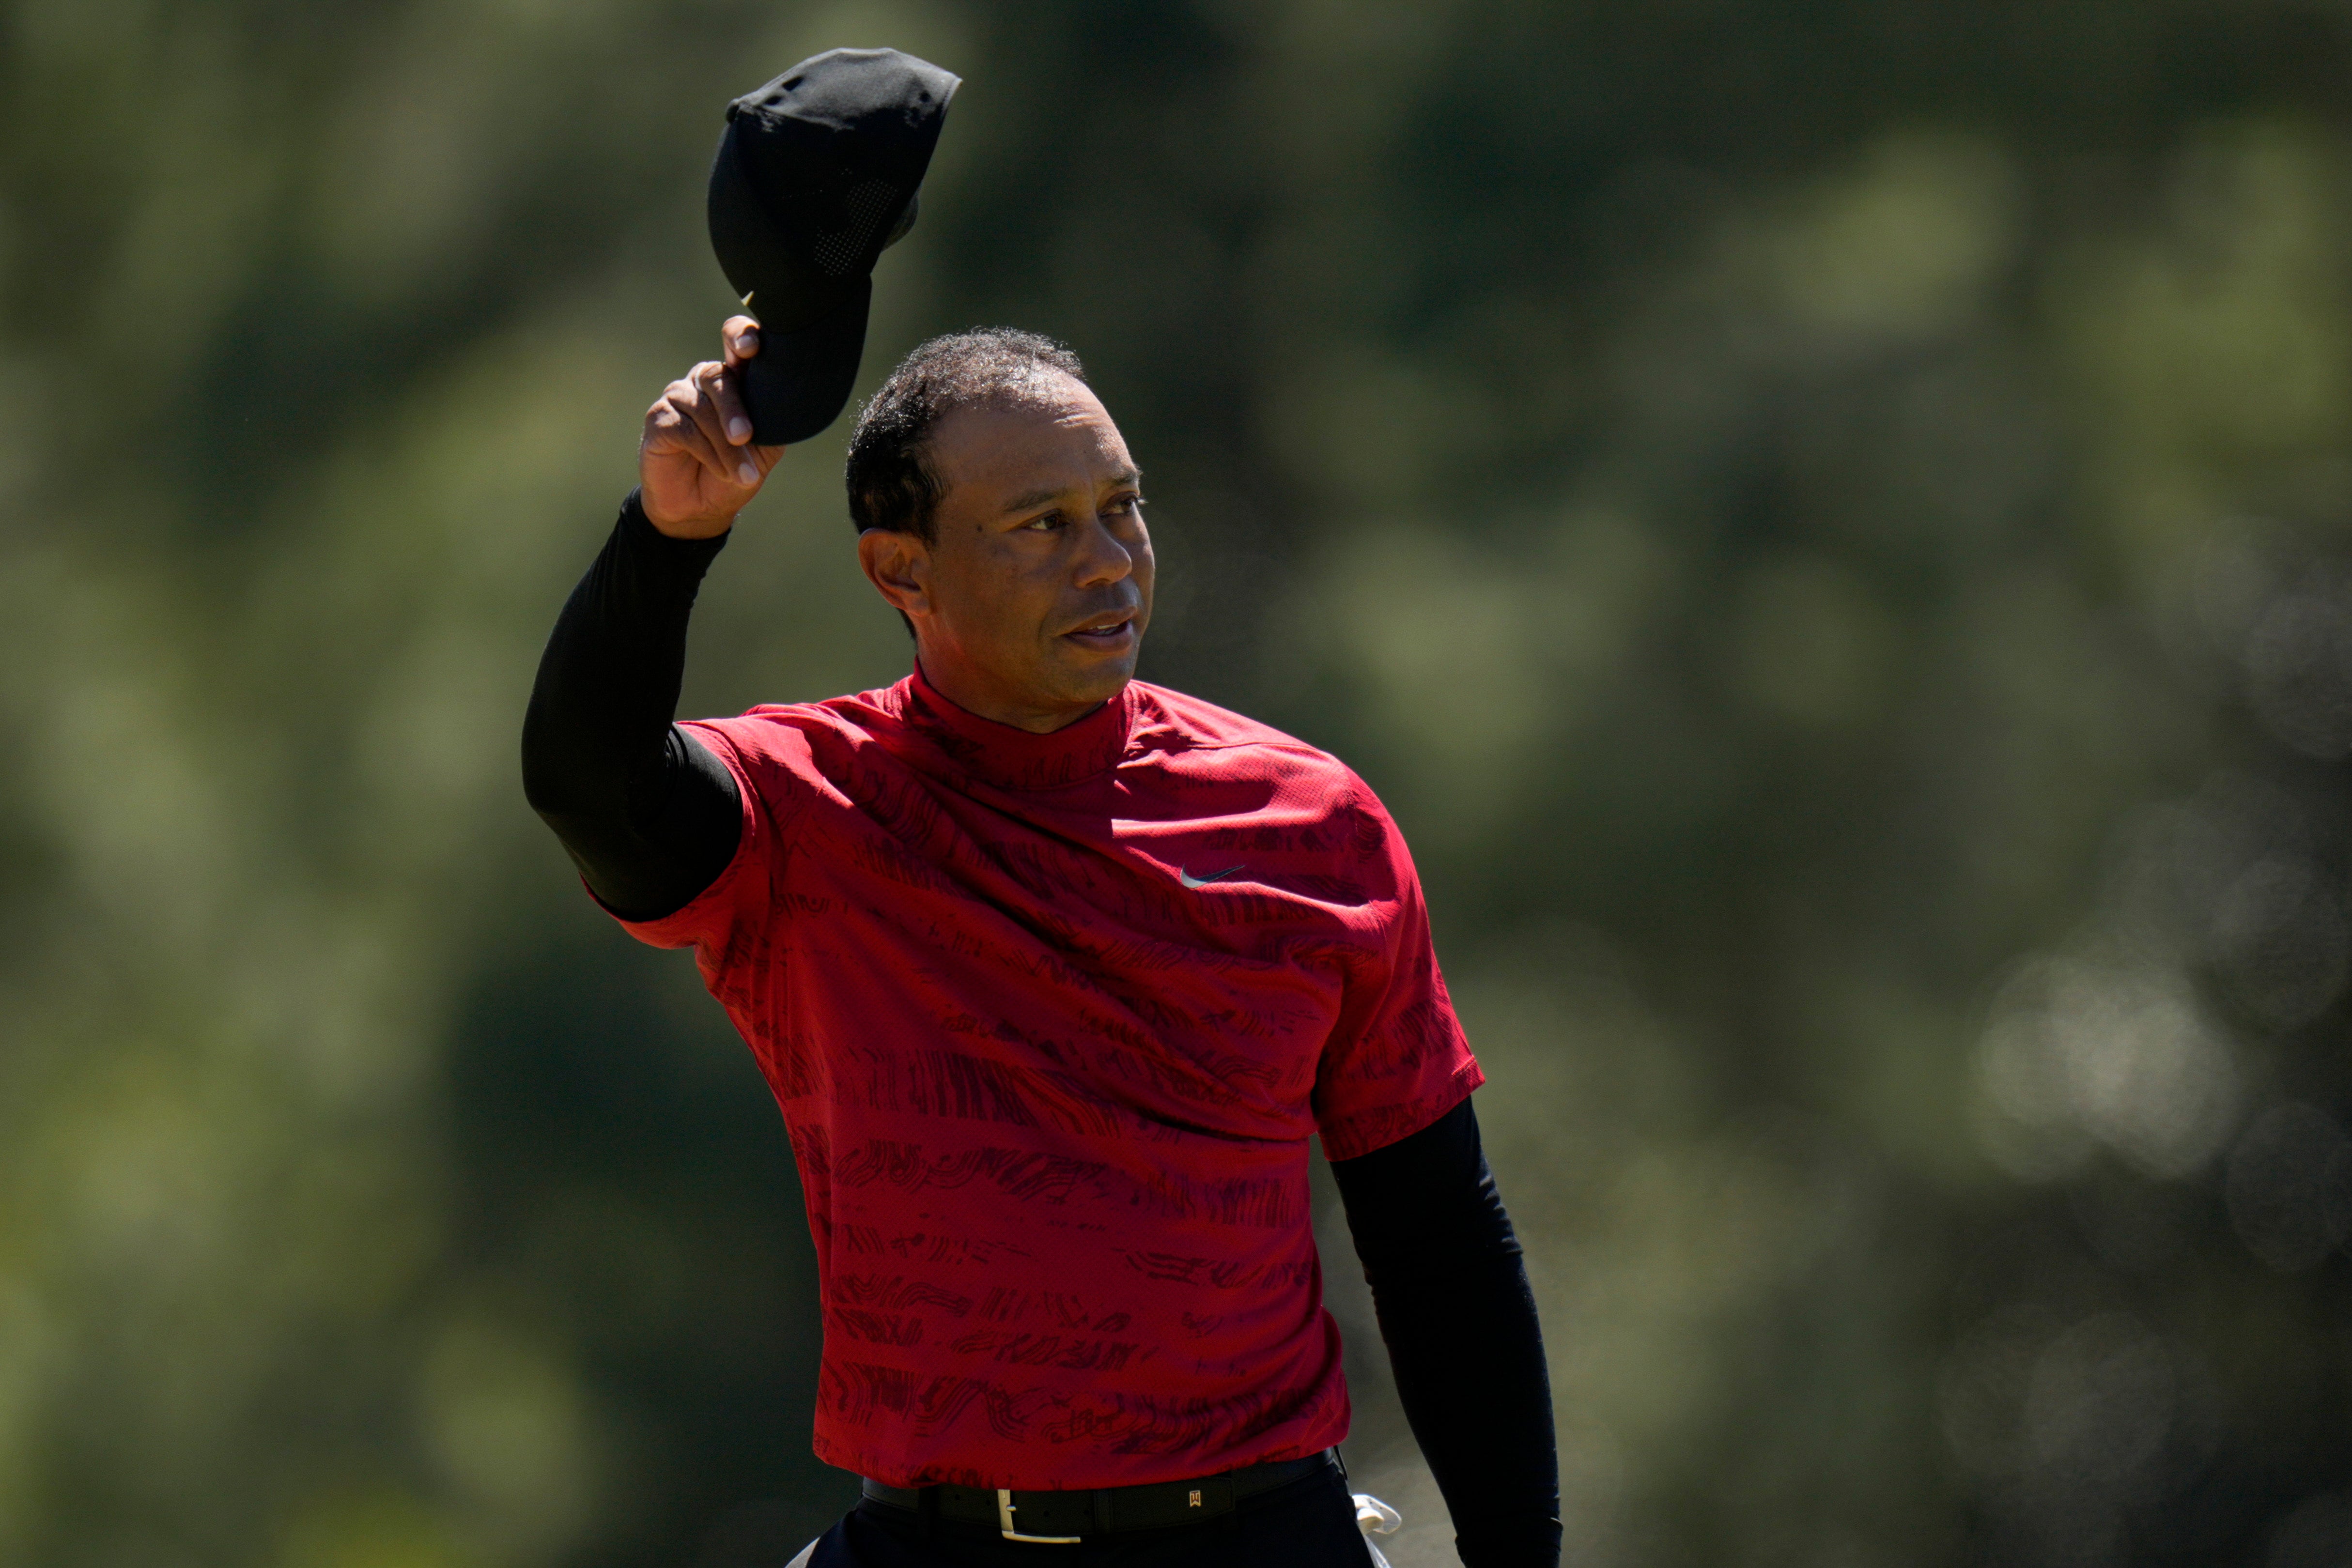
point(1460, 1322)
point(648, 814)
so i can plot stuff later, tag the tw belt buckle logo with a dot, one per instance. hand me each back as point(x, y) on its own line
point(1005, 1524)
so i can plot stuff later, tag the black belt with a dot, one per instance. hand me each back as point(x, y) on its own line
point(1067, 1518)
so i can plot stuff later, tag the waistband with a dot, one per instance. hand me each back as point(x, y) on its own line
point(1067, 1518)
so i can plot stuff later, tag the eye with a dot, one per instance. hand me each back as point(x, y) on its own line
point(1046, 524)
point(1126, 505)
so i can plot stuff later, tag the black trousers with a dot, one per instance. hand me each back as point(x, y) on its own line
point(1310, 1523)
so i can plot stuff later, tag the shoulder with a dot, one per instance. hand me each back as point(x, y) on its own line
point(1169, 722)
point(802, 737)
point(1179, 728)
point(1302, 780)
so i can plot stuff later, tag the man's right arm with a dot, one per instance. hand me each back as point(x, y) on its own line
point(647, 813)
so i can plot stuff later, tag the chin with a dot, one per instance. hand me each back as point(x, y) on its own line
point(1099, 681)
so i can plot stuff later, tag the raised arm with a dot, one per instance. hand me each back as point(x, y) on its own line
point(1460, 1323)
point(648, 815)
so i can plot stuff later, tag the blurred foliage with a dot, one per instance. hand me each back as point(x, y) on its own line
point(1830, 524)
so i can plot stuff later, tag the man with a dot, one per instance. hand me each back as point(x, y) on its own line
point(1053, 973)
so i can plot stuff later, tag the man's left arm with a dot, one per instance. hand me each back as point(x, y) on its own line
point(1459, 1320)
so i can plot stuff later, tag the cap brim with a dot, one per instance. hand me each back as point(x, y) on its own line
point(801, 379)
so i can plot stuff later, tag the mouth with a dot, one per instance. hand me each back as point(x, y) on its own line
point(1112, 631)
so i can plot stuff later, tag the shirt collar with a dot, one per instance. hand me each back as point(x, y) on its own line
point(1009, 758)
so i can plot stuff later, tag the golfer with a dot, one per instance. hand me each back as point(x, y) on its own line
point(1053, 973)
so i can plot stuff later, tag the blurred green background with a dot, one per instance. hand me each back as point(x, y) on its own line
point(1829, 521)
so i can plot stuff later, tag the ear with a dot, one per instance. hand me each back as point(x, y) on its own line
point(898, 565)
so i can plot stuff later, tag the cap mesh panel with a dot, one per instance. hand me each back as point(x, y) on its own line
point(871, 204)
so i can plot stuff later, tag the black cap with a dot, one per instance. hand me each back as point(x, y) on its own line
point(815, 175)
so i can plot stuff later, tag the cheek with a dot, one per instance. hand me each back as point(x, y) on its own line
point(1002, 591)
point(975, 571)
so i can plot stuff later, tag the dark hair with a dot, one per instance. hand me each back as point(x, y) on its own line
point(891, 484)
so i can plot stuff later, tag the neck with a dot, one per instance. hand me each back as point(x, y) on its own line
point(992, 700)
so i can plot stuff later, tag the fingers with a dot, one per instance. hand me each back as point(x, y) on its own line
point(740, 339)
point(671, 427)
point(700, 415)
point(722, 390)
point(687, 420)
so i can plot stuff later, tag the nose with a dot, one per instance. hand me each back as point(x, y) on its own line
point(1102, 558)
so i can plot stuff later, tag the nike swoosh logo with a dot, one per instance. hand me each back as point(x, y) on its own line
point(1189, 880)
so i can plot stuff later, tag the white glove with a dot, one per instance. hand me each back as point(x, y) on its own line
point(1374, 1517)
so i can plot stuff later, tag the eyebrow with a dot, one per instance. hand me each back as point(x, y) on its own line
point(1030, 498)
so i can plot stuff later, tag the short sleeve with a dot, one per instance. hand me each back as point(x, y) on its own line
point(1398, 1060)
point(737, 897)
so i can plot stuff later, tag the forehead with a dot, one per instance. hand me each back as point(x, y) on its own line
point(1051, 431)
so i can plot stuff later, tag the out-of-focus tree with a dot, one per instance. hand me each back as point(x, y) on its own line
point(1828, 525)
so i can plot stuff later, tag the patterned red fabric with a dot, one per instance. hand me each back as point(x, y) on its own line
point(1051, 1019)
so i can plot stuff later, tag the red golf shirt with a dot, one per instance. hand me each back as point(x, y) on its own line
point(1051, 1018)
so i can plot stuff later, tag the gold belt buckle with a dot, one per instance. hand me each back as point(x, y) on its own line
point(1004, 1524)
